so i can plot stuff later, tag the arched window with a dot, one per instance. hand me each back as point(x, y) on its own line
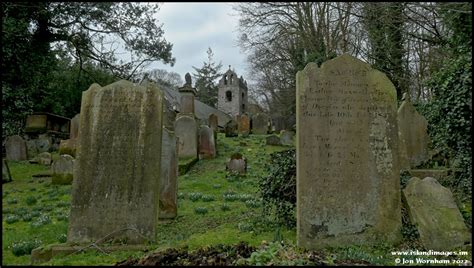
point(243, 107)
point(228, 95)
point(243, 95)
point(231, 78)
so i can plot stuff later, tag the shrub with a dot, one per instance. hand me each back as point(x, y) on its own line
point(231, 197)
point(27, 217)
point(195, 196)
point(62, 238)
point(11, 219)
point(24, 247)
point(225, 207)
point(181, 195)
point(12, 201)
point(252, 203)
point(200, 210)
point(208, 198)
point(63, 216)
point(42, 220)
point(278, 188)
point(31, 200)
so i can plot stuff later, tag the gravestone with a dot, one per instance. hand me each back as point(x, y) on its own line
point(6, 175)
point(213, 122)
point(348, 183)
point(412, 128)
point(62, 170)
point(117, 168)
point(44, 143)
point(207, 146)
point(68, 147)
point(231, 129)
point(237, 163)
point(278, 123)
point(287, 138)
point(260, 124)
point(169, 176)
point(244, 125)
point(185, 129)
point(432, 209)
point(273, 140)
point(15, 147)
point(74, 129)
point(44, 158)
point(32, 151)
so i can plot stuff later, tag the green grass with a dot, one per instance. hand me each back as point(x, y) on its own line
point(233, 212)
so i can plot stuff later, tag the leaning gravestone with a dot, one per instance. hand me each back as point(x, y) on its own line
point(432, 209)
point(169, 176)
point(348, 184)
point(62, 170)
point(185, 129)
point(15, 147)
point(273, 140)
point(207, 146)
point(244, 125)
point(260, 124)
point(115, 190)
point(32, 151)
point(412, 128)
point(44, 143)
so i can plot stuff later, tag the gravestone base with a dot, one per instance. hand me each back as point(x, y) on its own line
point(44, 254)
point(439, 174)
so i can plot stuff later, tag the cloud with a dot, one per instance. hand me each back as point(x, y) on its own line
point(193, 27)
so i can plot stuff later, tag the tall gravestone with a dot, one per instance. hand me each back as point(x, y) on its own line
point(413, 135)
point(185, 129)
point(117, 169)
point(185, 126)
point(169, 176)
point(207, 145)
point(348, 187)
point(74, 129)
point(15, 147)
point(213, 122)
point(260, 124)
point(244, 125)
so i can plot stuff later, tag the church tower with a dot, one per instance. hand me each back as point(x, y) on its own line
point(232, 97)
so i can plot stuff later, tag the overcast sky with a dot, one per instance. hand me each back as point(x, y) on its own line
point(193, 27)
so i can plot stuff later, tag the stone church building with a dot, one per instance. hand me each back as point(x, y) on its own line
point(232, 98)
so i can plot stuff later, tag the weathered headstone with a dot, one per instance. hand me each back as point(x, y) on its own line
point(74, 130)
point(213, 122)
point(117, 169)
point(273, 140)
point(169, 176)
point(185, 129)
point(287, 138)
point(68, 147)
point(15, 147)
point(260, 124)
point(6, 175)
point(432, 209)
point(348, 183)
point(237, 163)
point(278, 123)
point(62, 170)
point(244, 125)
point(207, 146)
point(413, 135)
point(231, 128)
point(44, 142)
point(31, 149)
point(44, 158)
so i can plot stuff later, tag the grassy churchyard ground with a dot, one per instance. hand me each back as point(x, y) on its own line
point(214, 207)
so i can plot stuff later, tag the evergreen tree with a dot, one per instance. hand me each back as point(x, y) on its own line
point(206, 76)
